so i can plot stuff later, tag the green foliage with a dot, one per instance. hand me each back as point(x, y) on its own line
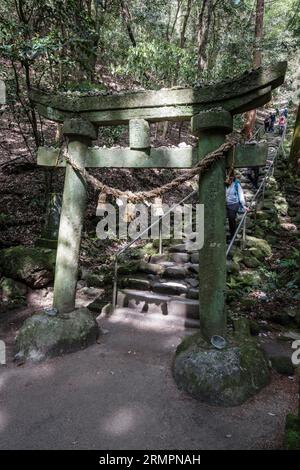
point(165, 61)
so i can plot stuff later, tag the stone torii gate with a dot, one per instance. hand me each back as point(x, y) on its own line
point(210, 110)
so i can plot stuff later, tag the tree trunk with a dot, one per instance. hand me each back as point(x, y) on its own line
point(185, 23)
point(259, 29)
point(128, 20)
point(295, 147)
point(257, 59)
point(204, 23)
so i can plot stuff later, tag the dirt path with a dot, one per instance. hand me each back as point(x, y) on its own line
point(119, 394)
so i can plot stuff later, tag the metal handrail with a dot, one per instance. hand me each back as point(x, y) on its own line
point(157, 221)
point(262, 186)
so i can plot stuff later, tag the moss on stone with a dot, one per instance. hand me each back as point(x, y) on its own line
point(33, 266)
point(249, 278)
point(225, 377)
point(260, 247)
point(250, 261)
point(12, 294)
point(43, 336)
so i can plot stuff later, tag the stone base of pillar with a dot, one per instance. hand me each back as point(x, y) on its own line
point(226, 377)
point(47, 334)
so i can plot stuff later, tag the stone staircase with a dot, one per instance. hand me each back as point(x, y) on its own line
point(165, 288)
point(166, 285)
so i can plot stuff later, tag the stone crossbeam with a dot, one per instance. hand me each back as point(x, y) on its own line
point(248, 155)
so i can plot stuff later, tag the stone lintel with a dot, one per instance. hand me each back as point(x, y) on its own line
point(79, 127)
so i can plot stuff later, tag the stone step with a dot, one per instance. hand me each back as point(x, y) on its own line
point(165, 259)
point(183, 248)
point(176, 272)
point(143, 282)
point(193, 293)
point(180, 258)
point(170, 287)
point(157, 259)
point(154, 302)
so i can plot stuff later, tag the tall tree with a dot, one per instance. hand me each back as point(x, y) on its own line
point(259, 31)
point(204, 21)
point(257, 60)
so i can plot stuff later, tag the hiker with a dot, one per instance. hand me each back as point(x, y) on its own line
point(282, 124)
point(267, 123)
point(272, 121)
point(235, 201)
point(253, 176)
point(285, 112)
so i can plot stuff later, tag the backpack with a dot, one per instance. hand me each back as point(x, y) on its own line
point(236, 187)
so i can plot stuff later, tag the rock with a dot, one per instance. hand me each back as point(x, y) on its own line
point(158, 258)
point(180, 258)
point(260, 215)
point(193, 294)
point(12, 293)
point(283, 365)
point(192, 281)
point(170, 288)
point(258, 231)
point(151, 268)
point(292, 432)
point(43, 336)
point(33, 266)
point(249, 278)
point(135, 283)
point(250, 261)
point(281, 206)
point(232, 267)
point(175, 272)
point(268, 204)
point(194, 268)
point(188, 246)
point(195, 258)
point(259, 247)
point(81, 284)
point(226, 377)
point(97, 304)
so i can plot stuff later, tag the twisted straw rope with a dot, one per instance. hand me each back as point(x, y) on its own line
point(199, 169)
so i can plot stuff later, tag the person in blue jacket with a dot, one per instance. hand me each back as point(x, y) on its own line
point(235, 201)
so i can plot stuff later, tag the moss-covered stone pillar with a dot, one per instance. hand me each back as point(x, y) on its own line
point(211, 127)
point(79, 133)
